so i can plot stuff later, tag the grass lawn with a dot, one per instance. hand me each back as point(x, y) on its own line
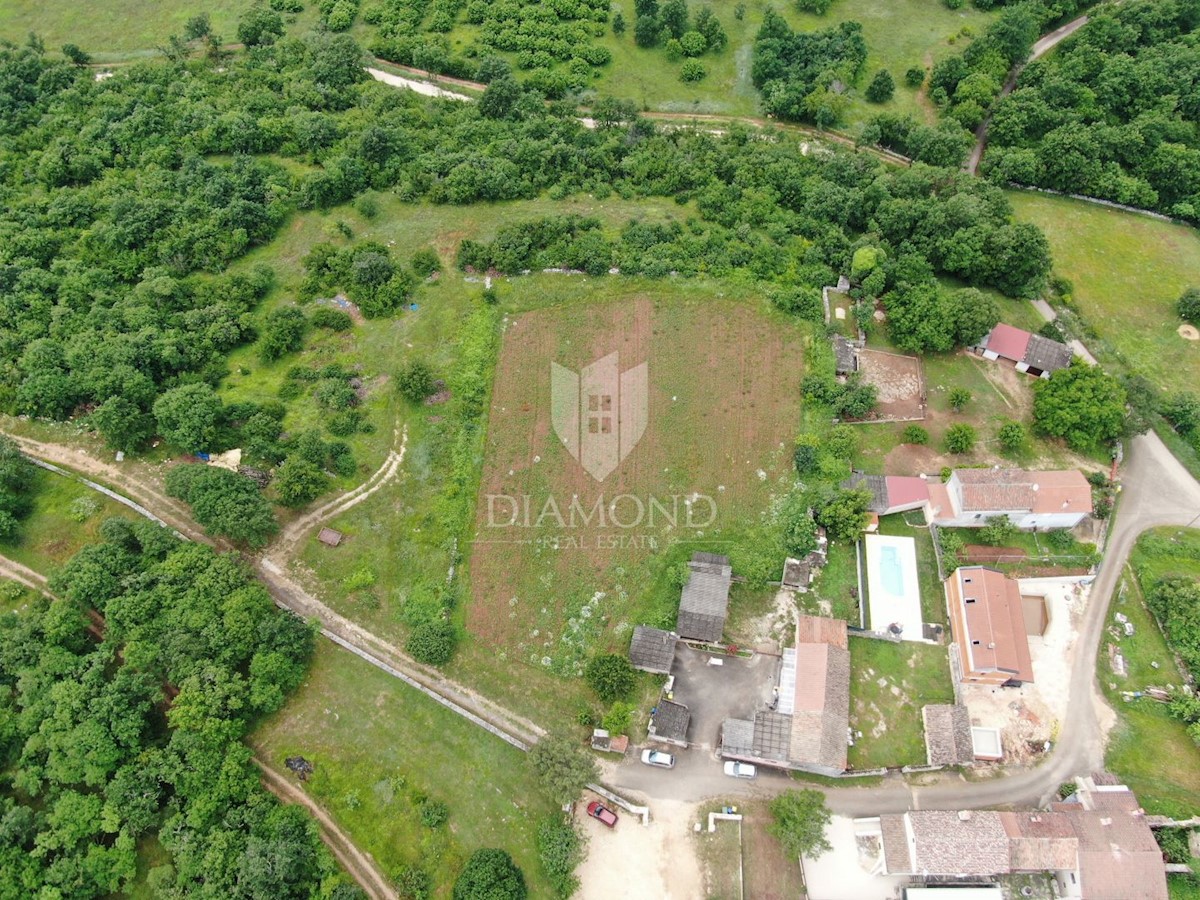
point(1128, 271)
point(720, 854)
point(890, 684)
point(120, 29)
point(1183, 887)
point(1151, 751)
point(899, 34)
point(50, 536)
point(933, 601)
point(380, 748)
point(768, 871)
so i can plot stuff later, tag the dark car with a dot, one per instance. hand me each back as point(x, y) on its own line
point(598, 810)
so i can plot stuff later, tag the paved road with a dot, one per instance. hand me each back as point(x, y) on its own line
point(1156, 490)
point(1044, 45)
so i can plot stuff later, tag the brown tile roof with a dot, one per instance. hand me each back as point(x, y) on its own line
point(821, 716)
point(1016, 490)
point(1118, 856)
point(821, 630)
point(947, 734)
point(1040, 841)
point(995, 640)
point(896, 856)
point(945, 842)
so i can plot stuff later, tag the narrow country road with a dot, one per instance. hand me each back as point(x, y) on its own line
point(1041, 47)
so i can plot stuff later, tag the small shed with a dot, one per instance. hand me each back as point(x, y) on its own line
point(652, 650)
point(330, 537)
point(669, 723)
point(705, 600)
point(845, 356)
point(947, 734)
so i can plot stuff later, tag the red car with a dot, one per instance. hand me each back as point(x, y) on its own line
point(597, 810)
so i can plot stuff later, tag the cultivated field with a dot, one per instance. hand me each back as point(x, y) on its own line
point(1128, 271)
point(723, 406)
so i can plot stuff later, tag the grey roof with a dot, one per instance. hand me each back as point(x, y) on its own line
point(652, 649)
point(1046, 354)
point(845, 357)
point(705, 597)
point(876, 484)
point(947, 734)
point(670, 721)
point(737, 737)
point(772, 736)
point(821, 717)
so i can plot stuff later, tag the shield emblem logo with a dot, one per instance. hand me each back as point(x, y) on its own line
point(600, 413)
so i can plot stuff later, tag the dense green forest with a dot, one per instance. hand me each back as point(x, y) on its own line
point(1112, 113)
point(122, 709)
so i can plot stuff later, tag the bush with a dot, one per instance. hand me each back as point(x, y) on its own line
point(915, 434)
point(414, 883)
point(693, 44)
point(425, 262)
point(692, 71)
point(618, 717)
point(1012, 436)
point(335, 393)
point(1060, 538)
point(432, 643)
point(914, 77)
point(560, 849)
point(806, 454)
point(959, 397)
point(83, 508)
point(881, 88)
point(490, 875)
point(434, 813)
point(998, 531)
point(611, 676)
point(415, 382)
point(332, 319)
point(960, 438)
point(1188, 305)
point(298, 482)
point(283, 332)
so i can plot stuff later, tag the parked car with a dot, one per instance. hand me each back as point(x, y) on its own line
point(598, 810)
point(658, 758)
point(740, 769)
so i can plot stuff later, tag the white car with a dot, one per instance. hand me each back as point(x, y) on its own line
point(740, 770)
point(658, 758)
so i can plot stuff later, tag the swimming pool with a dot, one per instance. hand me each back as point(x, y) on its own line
point(893, 589)
point(891, 572)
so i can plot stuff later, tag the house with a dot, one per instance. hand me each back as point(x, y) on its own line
point(1031, 353)
point(987, 621)
point(669, 723)
point(890, 493)
point(705, 598)
point(1097, 844)
point(947, 734)
point(1032, 500)
point(652, 650)
point(807, 728)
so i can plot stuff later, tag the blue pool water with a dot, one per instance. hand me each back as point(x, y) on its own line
point(890, 572)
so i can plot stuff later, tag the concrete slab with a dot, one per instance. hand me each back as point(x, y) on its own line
point(847, 871)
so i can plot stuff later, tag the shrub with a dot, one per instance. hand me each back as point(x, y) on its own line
point(414, 883)
point(952, 543)
point(881, 88)
point(799, 822)
point(960, 438)
point(434, 813)
point(432, 643)
point(332, 319)
point(805, 456)
point(415, 382)
point(914, 77)
point(83, 508)
point(1060, 538)
point(618, 717)
point(998, 531)
point(915, 434)
point(1012, 436)
point(298, 482)
point(691, 71)
point(283, 332)
point(560, 849)
point(335, 393)
point(490, 875)
point(842, 441)
point(959, 397)
point(367, 206)
point(693, 44)
point(361, 578)
point(425, 262)
point(611, 676)
point(1188, 305)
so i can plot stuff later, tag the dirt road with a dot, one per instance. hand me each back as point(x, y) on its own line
point(10, 568)
point(360, 866)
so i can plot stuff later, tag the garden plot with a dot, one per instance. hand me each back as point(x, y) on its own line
point(900, 384)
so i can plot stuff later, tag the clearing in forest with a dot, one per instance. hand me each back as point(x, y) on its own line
point(601, 475)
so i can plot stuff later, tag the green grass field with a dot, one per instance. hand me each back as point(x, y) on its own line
point(50, 536)
point(380, 747)
point(899, 34)
point(889, 714)
point(1128, 271)
point(1151, 751)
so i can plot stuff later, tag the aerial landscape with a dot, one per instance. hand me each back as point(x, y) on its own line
point(600, 448)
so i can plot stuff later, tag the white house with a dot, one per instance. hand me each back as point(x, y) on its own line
point(1032, 500)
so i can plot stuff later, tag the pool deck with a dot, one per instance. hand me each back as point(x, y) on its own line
point(893, 587)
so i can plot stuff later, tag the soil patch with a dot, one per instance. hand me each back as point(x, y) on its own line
point(1189, 332)
point(898, 380)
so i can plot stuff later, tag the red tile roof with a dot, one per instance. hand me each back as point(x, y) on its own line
point(1020, 490)
point(904, 490)
point(995, 638)
point(1009, 342)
